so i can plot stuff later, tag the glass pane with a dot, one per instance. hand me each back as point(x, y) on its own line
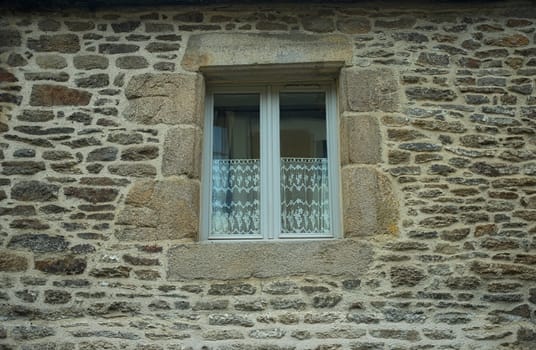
point(235, 165)
point(304, 163)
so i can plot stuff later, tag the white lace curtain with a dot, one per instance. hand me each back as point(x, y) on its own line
point(304, 196)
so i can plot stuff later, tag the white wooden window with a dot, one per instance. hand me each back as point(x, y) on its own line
point(270, 166)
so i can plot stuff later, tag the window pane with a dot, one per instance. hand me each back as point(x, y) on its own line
point(235, 165)
point(304, 166)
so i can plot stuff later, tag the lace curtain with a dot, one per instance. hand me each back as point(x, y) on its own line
point(304, 196)
point(235, 196)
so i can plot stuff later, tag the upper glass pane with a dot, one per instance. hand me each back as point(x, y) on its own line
point(235, 165)
point(304, 165)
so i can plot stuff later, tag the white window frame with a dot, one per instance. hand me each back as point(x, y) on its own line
point(270, 207)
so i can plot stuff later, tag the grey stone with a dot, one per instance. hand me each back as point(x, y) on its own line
point(406, 276)
point(369, 90)
point(131, 62)
point(134, 170)
point(51, 61)
point(10, 38)
point(433, 59)
point(354, 25)
point(63, 43)
point(432, 94)
point(31, 332)
point(231, 289)
point(88, 62)
point(57, 297)
point(34, 191)
point(36, 115)
point(125, 138)
point(104, 154)
point(93, 81)
point(39, 243)
point(22, 167)
point(165, 98)
point(221, 49)
point(125, 27)
point(229, 320)
point(318, 24)
point(79, 26)
point(48, 25)
point(112, 49)
point(268, 259)
point(162, 47)
point(369, 203)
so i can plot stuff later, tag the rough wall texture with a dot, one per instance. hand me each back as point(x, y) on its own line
point(100, 143)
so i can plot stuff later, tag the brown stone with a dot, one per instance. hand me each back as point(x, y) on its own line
point(515, 40)
point(55, 95)
point(93, 195)
point(369, 203)
point(406, 276)
point(61, 266)
point(165, 98)
point(64, 43)
point(10, 262)
point(498, 271)
point(368, 90)
point(182, 152)
point(159, 210)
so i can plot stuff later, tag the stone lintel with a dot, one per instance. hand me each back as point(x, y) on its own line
point(226, 49)
point(239, 260)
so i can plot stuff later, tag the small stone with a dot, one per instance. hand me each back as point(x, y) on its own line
point(326, 300)
point(104, 154)
point(39, 243)
point(55, 95)
point(16, 60)
point(131, 62)
point(412, 37)
point(406, 276)
point(57, 297)
point(31, 332)
point(61, 266)
point(48, 25)
point(111, 272)
point(10, 262)
point(93, 81)
point(64, 43)
point(80, 26)
point(34, 191)
point(134, 170)
point(22, 167)
point(88, 62)
point(433, 59)
point(231, 289)
point(125, 138)
point(229, 320)
point(192, 17)
point(112, 49)
point(164, 66)
point(140, 153)
point(125, 27)
point(515, 40)
point(354, 25)
point(93, 195)
point(433, 94)
point(162, 47)
point(36, 116)
point(134, 260)
point(51, 61)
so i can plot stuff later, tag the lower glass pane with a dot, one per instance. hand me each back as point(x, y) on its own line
point(235, 196)
point(304, 195)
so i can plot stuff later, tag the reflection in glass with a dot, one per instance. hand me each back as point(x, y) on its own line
point(304, 166)
point(235, 165)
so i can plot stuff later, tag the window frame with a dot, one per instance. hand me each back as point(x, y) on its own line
point(269, 189)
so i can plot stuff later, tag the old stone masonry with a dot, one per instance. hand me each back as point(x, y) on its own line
point(102, 130)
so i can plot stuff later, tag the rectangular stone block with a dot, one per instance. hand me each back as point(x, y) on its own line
point(165, 98)
point(222, 49)
point(369, 90)
point(360, 139)
point(369, 202)
point(225, 261)
point(182, 152)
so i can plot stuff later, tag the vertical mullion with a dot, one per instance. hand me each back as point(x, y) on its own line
point(265, 194)
point(333, 161)
point(276, 164)
point(206, 203)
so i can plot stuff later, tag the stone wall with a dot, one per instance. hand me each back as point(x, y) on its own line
point(101, 130)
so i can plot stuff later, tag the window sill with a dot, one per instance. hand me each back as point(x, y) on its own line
point(242, 259)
